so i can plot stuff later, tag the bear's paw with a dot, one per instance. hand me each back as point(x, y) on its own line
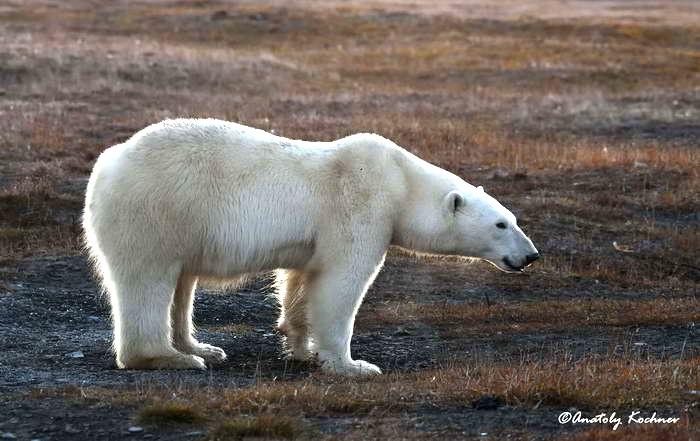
point(351, 368)
point(174, 361)
point(211, 354)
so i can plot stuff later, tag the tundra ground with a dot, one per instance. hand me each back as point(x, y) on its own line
point(581, 117)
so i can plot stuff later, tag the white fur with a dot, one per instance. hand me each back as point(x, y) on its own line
point(187, 199)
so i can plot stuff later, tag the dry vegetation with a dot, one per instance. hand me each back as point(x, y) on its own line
point(584, 119)
point(560, 380)
point(538, 316)
point(288, 409)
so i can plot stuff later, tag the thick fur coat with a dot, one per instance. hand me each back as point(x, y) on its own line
point(189, 199)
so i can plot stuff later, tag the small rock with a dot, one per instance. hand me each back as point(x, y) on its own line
point(218, 15)
point(402, 332)
point(135, 429)
point(76, 354)
point(488, 402)
point(8, 435)
point(500, 173)
point(71, 429)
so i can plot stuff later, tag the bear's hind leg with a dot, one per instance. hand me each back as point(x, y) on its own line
point(292, 322)
point(141, 314)
point(183, 329)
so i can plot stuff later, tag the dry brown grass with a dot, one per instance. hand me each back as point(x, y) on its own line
point(36, 219)
point(271, 408)
point(592, 382)
point(170, 413)
point(261, 426)
point(538, 316)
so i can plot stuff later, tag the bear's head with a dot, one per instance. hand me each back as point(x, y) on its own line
point(463, 220)
point(481, 227)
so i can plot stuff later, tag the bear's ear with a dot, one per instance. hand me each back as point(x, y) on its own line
point(480, 188)
point(453, 202)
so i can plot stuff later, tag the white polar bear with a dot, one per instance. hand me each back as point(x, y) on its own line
point(201, 198)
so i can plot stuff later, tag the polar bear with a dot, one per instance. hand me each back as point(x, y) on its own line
point(191, 199)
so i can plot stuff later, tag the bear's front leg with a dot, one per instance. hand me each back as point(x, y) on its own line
point(334, 298)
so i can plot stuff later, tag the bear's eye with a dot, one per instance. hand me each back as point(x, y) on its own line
point(501, 225)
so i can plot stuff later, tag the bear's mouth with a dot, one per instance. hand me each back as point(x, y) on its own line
point(512, 267)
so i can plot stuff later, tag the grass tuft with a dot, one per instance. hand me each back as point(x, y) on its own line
point(170, 413)
point(261, 426)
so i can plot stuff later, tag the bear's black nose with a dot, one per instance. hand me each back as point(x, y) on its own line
point(531, 258)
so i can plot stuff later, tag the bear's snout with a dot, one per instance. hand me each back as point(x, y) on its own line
point(511, 265)
point(531, 258)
